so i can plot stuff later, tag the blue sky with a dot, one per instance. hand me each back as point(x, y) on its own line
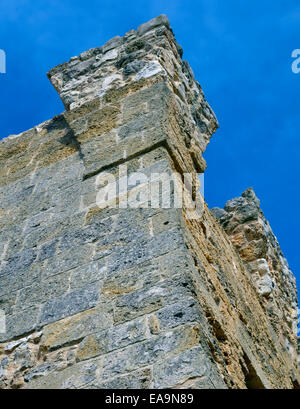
point(240, 52)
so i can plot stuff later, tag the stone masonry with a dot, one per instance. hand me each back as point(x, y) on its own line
point(134, 297)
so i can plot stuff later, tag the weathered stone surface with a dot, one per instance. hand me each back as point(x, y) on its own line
point(73, 329)
point(189, 365)
point(21, 323)
point(140, 379)
point(139, 297)
point(112, 339)
point(69, 304)
point(150, 351)
point(254, 240)
point(155, 22)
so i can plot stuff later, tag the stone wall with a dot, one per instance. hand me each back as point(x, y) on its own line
point(130, 297)
point(257, 246)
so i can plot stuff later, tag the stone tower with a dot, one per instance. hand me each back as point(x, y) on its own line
point(122, 296)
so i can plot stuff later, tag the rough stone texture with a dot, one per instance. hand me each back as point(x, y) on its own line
point(134, 298)
point(252, 236)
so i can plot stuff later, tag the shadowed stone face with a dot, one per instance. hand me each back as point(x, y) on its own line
point(140, 297)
